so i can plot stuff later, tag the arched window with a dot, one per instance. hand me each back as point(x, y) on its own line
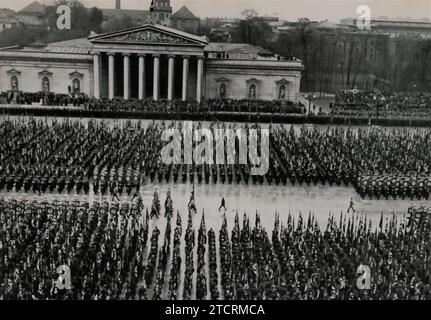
point(45, 84)
point(76, 86)
point(252, 93)
point(282, 92)
point(14, 83)
point(222, 92)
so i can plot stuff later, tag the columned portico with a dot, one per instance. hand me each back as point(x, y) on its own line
point(199, 79)
point(149, 61)
point(126, 66)
point(185, 77)
point(141, 77)
point(96, 75)
point(156, 77)
point(171, 62)
point(111, 75)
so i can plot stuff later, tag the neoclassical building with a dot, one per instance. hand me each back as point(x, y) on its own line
point(150, 61)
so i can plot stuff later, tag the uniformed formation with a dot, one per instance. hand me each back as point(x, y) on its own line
point(105, 247)
point(365, 158)
point(352, 103)
point(72, 156)
point(150, 105)
point(396, 186)
point(374, 103)
point(46, 99)
point(180, 106)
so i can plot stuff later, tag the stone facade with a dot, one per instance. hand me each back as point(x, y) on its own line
point(30, 70)
point(240, 83)
point(236, 79)
point(161, 12)
point(148, 61)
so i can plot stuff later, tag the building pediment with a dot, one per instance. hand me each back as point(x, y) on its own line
point(282, 81)
point(76, 74)
point(222, 79)
point(253, 80)
point(150, 34)
point(13, 72)
point(45, 73)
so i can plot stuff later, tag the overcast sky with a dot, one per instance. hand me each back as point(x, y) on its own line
point(332, 10)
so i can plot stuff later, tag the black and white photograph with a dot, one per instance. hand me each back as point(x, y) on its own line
point(230, 151)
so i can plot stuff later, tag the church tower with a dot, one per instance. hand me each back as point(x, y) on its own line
point(161, 12)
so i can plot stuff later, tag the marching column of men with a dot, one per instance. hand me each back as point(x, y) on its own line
point(106, 245)
point(66, 156)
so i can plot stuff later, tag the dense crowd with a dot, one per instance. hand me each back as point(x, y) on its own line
point(74, 156)
point(341, 156)
point(207, 106)
point(371, 104)
point(395, 186)
point(105, 248)
point(44, 98)
point(149, 105)
point(377, 104)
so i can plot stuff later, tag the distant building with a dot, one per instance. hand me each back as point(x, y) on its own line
point(32, 15)
point(238, 51)
point(269, 19)
point(221, 28)
point(185, 20)
point(8, 23)
point(328, 26)
point(161, 12)
point(137, 16)
point(5, 12)
point(150, 61)
point(394, 27)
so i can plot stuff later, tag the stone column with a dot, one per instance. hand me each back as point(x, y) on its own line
point(199, 79)
point(185, 77)
point(111, 58)
point(141, 83)
point(156, 77)
point(96, 75)
point(171, 77)
point(126, 76)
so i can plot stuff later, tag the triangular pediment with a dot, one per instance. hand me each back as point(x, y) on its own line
point(282, 81)
point(45, 73)
point(150, 34)
point(13, 72)
point(253, 80)
point(223, 79)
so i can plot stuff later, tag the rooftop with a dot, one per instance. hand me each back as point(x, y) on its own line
point(34, 7)
point(4, 12)
point(75, 46)
point(157, 27)
point(229, 47)
point(5, 19)
point(183, 13)
point(329, 25)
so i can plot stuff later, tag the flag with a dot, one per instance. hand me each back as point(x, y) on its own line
point(381, 221)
